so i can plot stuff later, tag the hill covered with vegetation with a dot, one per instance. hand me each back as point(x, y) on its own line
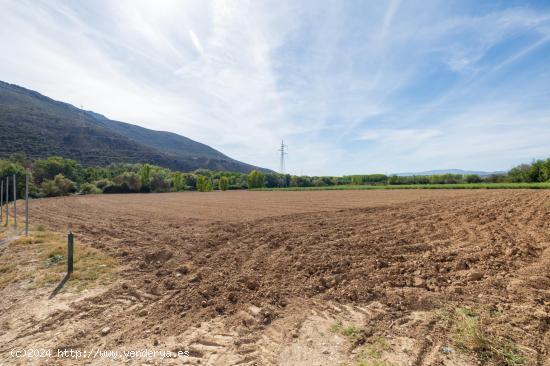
point(39, 127)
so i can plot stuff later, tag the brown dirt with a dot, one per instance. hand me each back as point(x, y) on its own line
point(259, 277)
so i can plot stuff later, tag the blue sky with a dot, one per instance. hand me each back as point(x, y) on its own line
point(351, 86)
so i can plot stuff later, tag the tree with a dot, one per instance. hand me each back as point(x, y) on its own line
point(145, 177)
point(7, 170)
point(159, 183)
point(124, 183)
point(48, 168)
point(255, 179)
point(204, 184)
point(472, 178)
point(224, 183)
point(89, 188)
point(177, 181)
point(64, 185)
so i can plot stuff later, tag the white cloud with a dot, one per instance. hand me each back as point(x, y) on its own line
point(347, 85)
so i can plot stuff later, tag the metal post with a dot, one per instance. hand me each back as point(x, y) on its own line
point(14, 203)
point(2, 201)
point(70, 249)
point(7, 200)
point(27, 204)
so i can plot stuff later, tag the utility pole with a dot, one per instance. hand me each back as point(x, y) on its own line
point(283, 153)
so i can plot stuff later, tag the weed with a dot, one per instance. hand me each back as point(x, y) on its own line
point(372, 353)
point(351, 331)
point(470, 336)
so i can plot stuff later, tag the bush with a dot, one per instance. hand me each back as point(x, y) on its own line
point(114, 188)
point(204, 184)
point(472, 178)
point(89, 188)
point(159, 184)
point(177, 181)
point(128, 182)
point(102, 183)
point(64, 185)
point(224, 183)
point(255, 179)
point(49, 189)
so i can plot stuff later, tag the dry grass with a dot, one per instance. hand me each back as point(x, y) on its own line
point(40, 260)
point(470, 334)
point(373, 352)
point(350, 331)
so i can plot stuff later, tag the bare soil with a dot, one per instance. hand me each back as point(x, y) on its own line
point(262, 278)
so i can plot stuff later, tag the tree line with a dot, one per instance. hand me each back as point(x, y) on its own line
point(57, 176)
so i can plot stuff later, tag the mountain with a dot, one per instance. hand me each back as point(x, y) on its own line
point(38, 126)
point(449, 171)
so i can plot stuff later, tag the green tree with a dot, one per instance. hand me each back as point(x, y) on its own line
point(255, 179)
point(145, 176)
point(89, 188)
point(177, 181)
point(7, 170)
point(48, 168)
point(125, 183)
point(65, 185)
point(224, 183)
point(472, 178)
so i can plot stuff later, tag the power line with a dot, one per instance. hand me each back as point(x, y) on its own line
point(283, 153)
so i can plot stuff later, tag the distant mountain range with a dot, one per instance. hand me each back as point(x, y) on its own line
point(450, 171)
point(38, 126)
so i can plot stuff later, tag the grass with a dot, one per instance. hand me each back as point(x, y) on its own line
point(417, 186)
point(39, 260)
point(470, 335)
point(372, 354)
point(351, 332)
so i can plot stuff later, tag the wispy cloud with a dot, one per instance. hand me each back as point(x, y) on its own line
point(350, 86)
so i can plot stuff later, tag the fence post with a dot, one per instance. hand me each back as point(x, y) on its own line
point(2, 201)
point(70, 250)
point(7, 200)
point(27, 204)
point(14, 203)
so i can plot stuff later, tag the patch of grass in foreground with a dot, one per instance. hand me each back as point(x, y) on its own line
point(350, 331)
point(372, 354)
point(416, 186)
point(470, 335)
point(39, 260)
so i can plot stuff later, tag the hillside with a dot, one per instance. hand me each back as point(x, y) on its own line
point(449, 171)
point(39, 126)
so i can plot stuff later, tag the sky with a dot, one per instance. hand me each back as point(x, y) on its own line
point(351, 86)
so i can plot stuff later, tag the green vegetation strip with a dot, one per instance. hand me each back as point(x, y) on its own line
point(418, 186)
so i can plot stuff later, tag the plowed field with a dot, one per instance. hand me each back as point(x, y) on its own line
point(302, 278)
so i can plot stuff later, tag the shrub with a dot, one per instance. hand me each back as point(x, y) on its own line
point(102, 183)
point(204, 184)
point(89, 188)
point(177, 181)
point(145, 176)
point(255, 179)
point(224, 183)
point(65, 185)
point(128, 181)
point(159, 184)
point(49, 189)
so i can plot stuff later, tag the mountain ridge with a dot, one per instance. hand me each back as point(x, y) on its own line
point(448, 171)
point(39, 126)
